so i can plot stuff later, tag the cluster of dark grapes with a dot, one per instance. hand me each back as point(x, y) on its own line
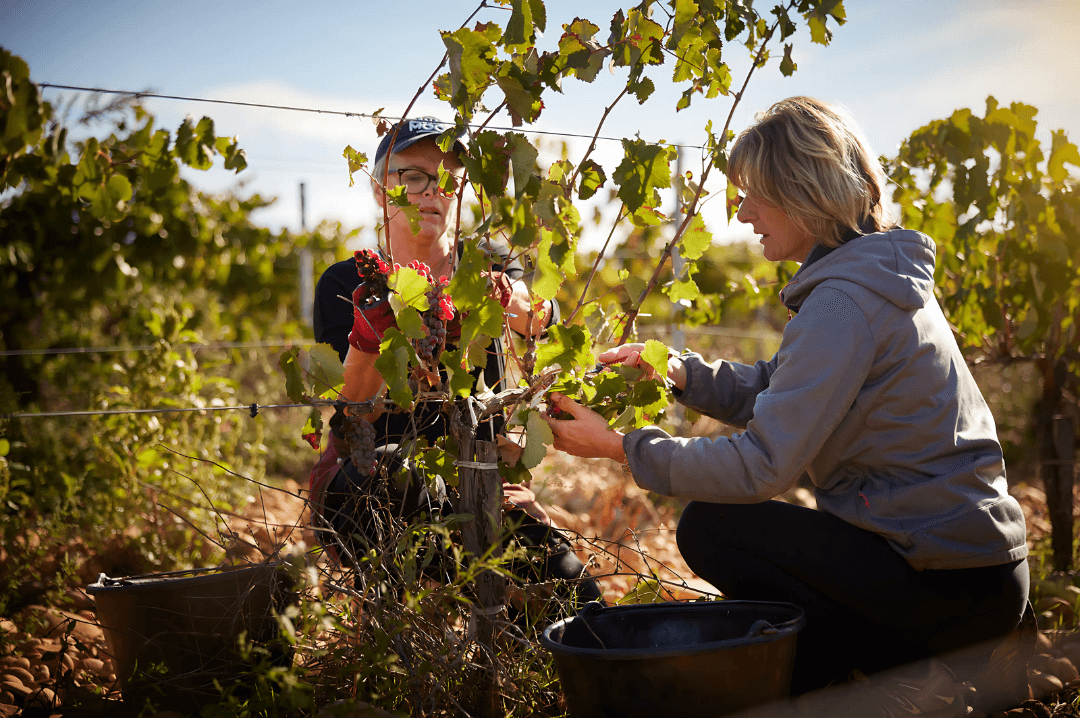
point(360, 438)
point(373, 273)
point(440, 311)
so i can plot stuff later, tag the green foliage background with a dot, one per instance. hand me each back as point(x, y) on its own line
point(105, 245)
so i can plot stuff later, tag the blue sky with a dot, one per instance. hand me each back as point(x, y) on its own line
point(895, 65)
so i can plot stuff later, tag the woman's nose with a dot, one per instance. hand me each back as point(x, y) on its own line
point(746, 212)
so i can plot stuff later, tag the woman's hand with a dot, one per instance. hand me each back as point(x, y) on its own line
point(586, 435)
point(630, 355)
point(513, 295)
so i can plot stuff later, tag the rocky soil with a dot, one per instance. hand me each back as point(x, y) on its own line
point(58, 662)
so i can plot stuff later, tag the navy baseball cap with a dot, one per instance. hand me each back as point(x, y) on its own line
point(413, 130)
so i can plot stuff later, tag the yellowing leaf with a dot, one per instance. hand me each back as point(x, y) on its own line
point(695, 240)
point(410, 287)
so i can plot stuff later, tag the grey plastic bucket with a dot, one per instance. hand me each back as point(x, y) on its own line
point(172, 636)
point(678, 660)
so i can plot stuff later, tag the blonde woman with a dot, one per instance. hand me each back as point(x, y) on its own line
point(916, 550)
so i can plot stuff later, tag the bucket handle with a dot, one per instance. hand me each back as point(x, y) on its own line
point(762, 627)
point(591, 609)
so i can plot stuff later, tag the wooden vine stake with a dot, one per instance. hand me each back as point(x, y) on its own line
point(1057, 475)
point(480, 490)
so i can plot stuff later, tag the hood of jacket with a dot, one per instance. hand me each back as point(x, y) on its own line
point(897, 264)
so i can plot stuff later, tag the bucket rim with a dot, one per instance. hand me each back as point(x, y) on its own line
point(786, 629)
point(178, 579)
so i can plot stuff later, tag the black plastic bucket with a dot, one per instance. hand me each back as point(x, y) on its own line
point(172, 636)
point(678, 660)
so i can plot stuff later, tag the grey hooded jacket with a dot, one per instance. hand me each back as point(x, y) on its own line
point(870, 397)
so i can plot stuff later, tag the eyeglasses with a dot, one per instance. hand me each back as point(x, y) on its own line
point(417, 181)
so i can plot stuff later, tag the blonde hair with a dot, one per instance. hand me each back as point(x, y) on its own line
point(810, 159)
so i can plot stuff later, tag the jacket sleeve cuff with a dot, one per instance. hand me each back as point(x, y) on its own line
point(648, 455)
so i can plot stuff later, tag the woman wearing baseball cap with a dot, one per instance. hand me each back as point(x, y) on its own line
point(343, 495)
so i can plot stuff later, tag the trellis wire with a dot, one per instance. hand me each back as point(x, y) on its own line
point(341, 113)
point(150, 347)
point(253, 408)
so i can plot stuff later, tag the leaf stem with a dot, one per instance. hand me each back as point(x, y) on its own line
point(596, 264)
point(592, 145)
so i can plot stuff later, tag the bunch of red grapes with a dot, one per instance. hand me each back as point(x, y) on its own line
point(373, 274)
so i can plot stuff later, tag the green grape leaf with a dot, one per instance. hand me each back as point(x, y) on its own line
point(440, 462)
point(683, 290)
point(460, 381)
point(468, 287)
point(473, 57)
point(655, 355)
point(195, 143)
point(110, 198)
point(312, 431)
point(235, 158)
point(1061, 151)
point(592, 178)
point(539, 14)
point(685, 11)
point(553, 264)
point(357, 161)
point(732, 200)
point(516, 474)
point(399, 199)
point(395, 354)
point(648, 399)
point(294, 380)
point(521, 103)
point(818, 32)
point(646, 216)
point(609, 384)
point(695, 240)
point(633, 285)
point(641, 88)
point(538, 437)
point(646, 590)
point(325, 368)
point(487, 163)
point(523, 159)
point(787, 65)
point(519, 34)
point(567, 346)
point(160, 169)
point(476, 353)
point(409, 322)
point(410, 287)
point(486, 320)
point(644, 168)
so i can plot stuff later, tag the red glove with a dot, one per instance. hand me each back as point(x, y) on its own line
point(370, 321)
point(500, 288)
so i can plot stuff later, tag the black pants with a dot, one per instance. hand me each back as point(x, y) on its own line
point(866, 607)
point(359, 508)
